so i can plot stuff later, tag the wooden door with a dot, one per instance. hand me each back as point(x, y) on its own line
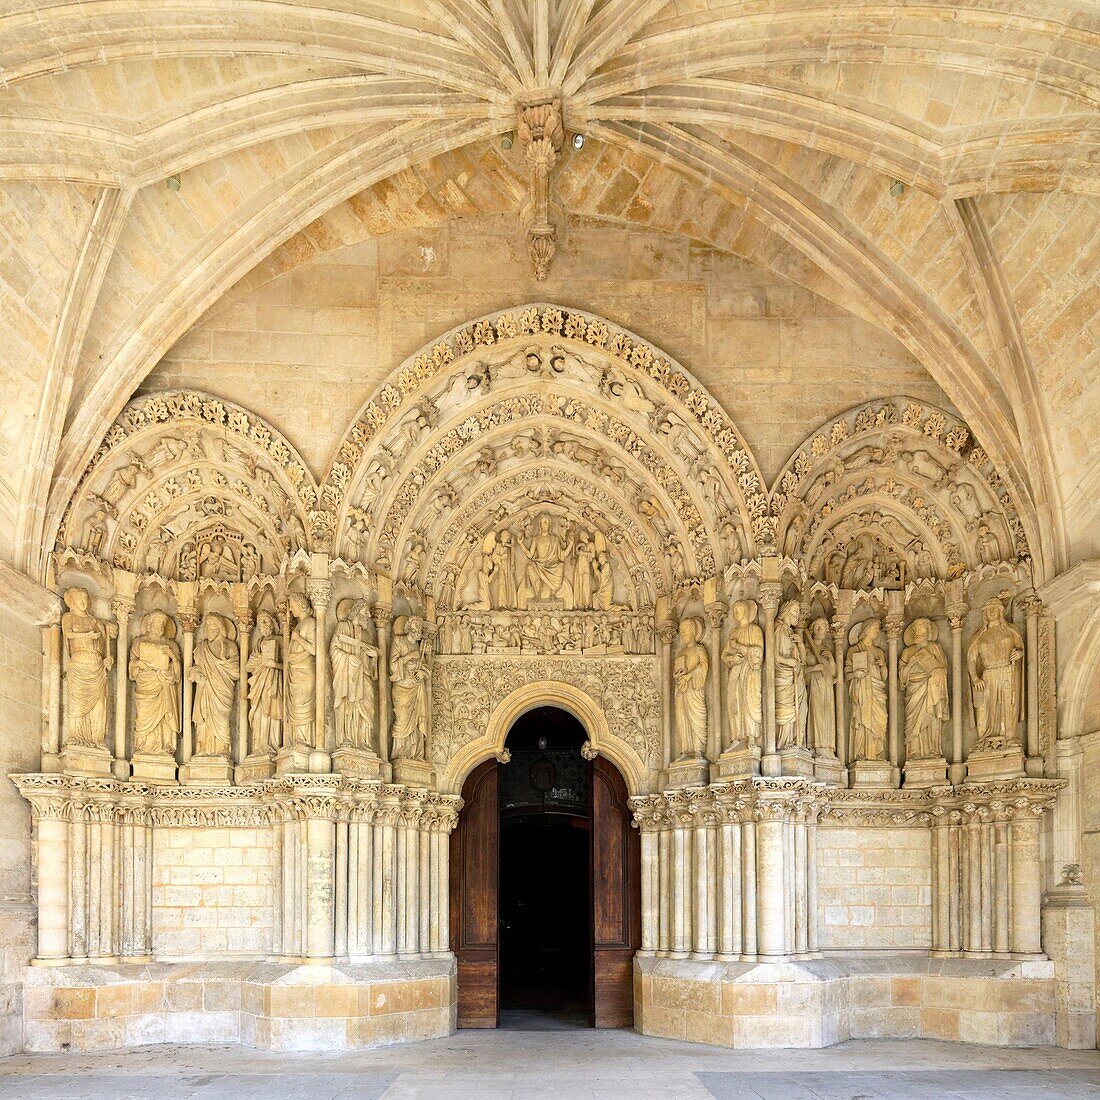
point(616, 898)
point(475, 865)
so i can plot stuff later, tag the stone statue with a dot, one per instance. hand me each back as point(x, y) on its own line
point(214, 671)
point(995, 663)
point(689, 678)
point(265, 686)
point(860, 563)
point(544, 576)
point(604, 598)
point(821, 689)
point(155, 670)
point(354, 672)
point(584, 560)
point(87, 660)
point(301, 673)
point(922, 674)
point(502, 579)
point(410, 685)
point(790, 679)
point(865, 672)
point(216, 559)
point(744, 660)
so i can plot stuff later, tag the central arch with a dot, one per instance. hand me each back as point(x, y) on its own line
point(545, 879)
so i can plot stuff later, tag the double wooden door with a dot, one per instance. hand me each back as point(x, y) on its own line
point(614, 892)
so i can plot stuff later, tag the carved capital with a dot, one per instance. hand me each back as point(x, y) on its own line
point(320, 594)
point(894, 628)
point(716, 614)
point(189, 620)
point(770, 595)
point(666, 631)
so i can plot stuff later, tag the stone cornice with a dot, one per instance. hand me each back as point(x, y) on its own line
point(27, 598)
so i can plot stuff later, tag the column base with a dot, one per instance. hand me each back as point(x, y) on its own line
point(320, 763)
point(925, 773)
point(829, 769)
point(90, 760)
point(360, 763)
point(873, 773)
point(737, 762)
point(770, 764)
point(1007, 763)
point(796, 761)
point(157, 769)
point(692, 771)
point(207, 771)
point(956, 774)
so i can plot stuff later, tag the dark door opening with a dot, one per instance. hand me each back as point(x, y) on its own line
point(545, 877)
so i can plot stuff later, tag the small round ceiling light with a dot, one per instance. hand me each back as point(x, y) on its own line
point(897, 189)
point(173, 182)
point(507, 140)
point(578, 141)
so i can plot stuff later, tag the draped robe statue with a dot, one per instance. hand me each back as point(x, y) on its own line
point(583, 567)
point(215, 670)
point(922, 674)
point(994, 660)
point(409, 686)
point(87, 661)
point(865, 671)
point(265, 686)
point(354, 668)
point(790, 679)
point(544, 576)
point(155, 669)
point(301, 672)
point(689, 677)
point(821, 689)
point(604, 597)
point(744, 658)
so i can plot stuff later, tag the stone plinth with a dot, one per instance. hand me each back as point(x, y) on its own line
point(995, 764)
point(255, 768)
point(925, 773)
point(872, 773)
point(739, 762)
point(259, 1004)
point(155, 769)
point(797, 761)
point(85, 760)
point(413, 773)
point(816, 1003)
point(689, 772)
point(207, 771)
point(293, 760)
point(359, 763)
point(829, 769)
point(1069, 940)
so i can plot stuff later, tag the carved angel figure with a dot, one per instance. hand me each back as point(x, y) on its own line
point(265, 686)
point(865, 672)
point(994, 660)
point(743, 657)
point(87, 659)
point(155, 669)
point(821, 689)
point(790, 679)
point(689, 676)
point(301, 672)
point(410, 685)
point(354, 672)
point(922, 674)
point(215, 670)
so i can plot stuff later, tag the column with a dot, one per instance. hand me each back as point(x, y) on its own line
point(51, 695)
point(801, 884)
point(840, 646)
point(666, 632)
point(320, 830)
point(1032, 607)
point(650, 887)
point(681, 888)
point(243, 613)
point(439, 899)
point(941, 888)
point(387, 944)
point(320, 594)
point(770, 902)
point(894, 626)
point(973, 886)
point(1026, 892)
point(811, 884)
point(383, 618)
point(53, 883)
point(78, 886)
point(956, 614)
point(189, 622)
point(749, 874)
point(424, 910)
point(769, 601)
point(956, 877)
point(716, 615)
point(279, 883)
point(122, 609)
point(343, 888)
point(1001, 937)
point(705, 932)
point(729, 888)
point(664, 892)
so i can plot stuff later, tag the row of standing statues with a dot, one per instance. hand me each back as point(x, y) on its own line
point(281, 672)
point(806, 677)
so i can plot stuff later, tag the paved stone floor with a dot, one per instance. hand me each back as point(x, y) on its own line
point(605, 1065)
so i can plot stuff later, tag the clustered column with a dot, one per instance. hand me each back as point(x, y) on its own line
point(728, 871)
